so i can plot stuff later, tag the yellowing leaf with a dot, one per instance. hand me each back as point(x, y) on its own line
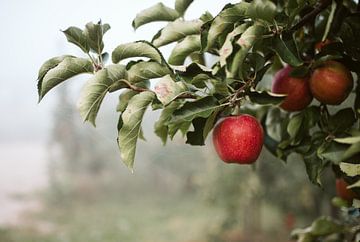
point(350, 169)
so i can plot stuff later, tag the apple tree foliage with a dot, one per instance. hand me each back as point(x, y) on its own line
point(216, 69)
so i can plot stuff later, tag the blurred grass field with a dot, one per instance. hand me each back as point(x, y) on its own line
point(114, 218)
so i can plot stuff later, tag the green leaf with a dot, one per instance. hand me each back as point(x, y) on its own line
point(263, 10)
point(204, 34)
point(167, 89)
point(350, 34)
point(141, 135)
point(342, 120)
point(176, 31)
point(300, 72)
point(306, 237)
point(224, 22)
point(227, 48)
point(286, 49)
point(339, 202)
point(329, 21)
point(95, 90)
point(311, 116)
point(182, 5)
point(184, 48)
point(314, 167)
point(261, 72)
point(136, 49)
point(196, 137)
point(92, 95)
point(205, 17)
point(197, 57)
point(161, 128)
point(195, 73)
point(294, 126)
point(131, 128)
point(210, 123)
point(67, 68)
point(300, 124)
point(325, 226)
point(350, 169)
point(174, 128)
point(355, 185)
point(351, 151)
point(254, 63)
point(266, 98)
point(199, 108)
point(50, 64)
point(94, 34)
point(356, 203)
point(147, 70)
point(292, 8)
point(76, 36)
point(333, 152)
point(124, 98)
point(246, 42)
point(348, 140)
point(192, 70)
point(158, 12)
point(220, 87)
point(275, 124)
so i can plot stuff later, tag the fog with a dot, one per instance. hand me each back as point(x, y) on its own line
point(30, 34)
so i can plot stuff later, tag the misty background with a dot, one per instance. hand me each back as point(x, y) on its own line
point(60, 177)
point(30, 35)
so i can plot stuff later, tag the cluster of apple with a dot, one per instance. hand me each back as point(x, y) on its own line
point(330, 84)
point(239, 139)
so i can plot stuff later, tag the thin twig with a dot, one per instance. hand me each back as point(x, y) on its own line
point(239, 93)
point(319, 7)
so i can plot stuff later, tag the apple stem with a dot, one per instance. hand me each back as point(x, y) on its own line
point(240, 93)
point(97, 67)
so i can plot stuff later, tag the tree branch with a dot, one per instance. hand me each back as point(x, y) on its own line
point(319, 7)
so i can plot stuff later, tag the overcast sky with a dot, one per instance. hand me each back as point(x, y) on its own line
point(30, 35)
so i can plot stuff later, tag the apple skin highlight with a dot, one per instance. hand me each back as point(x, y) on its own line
point(238, 139)
point(331, 83)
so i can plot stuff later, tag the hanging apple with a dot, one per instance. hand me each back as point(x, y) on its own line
point(238, 139)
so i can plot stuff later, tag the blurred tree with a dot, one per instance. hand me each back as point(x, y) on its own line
point(75, 156)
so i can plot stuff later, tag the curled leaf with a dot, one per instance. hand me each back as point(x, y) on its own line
point(136, 49)
point(176, 31)
point(67, 67)
point(158, 12)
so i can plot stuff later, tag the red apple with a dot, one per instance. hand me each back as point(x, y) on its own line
point(297, 89)
point(343, 192)
point(238, 139)
point(331, 83)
